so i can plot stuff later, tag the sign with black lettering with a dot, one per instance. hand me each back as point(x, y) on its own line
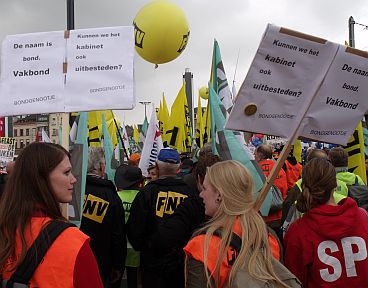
point(78, 70)
point(7, 150)
point(302, 83)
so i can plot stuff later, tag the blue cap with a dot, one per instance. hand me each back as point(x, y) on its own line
point(169, 155)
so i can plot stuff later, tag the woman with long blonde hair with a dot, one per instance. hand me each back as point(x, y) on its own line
point(211, 260)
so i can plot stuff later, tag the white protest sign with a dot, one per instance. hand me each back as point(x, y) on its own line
point(341, 101)
point(295, 76)
point(275, 139)
point(284, 76)
point(88, 69)
point(7, 150)
point(31, 73)
point(100, 69)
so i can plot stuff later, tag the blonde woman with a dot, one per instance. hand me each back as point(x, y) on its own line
point(211, 260)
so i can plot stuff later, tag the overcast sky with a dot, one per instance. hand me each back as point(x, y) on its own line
point(238, 26)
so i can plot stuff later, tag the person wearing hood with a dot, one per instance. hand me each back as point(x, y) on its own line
point(151, 208)
point(327, 247)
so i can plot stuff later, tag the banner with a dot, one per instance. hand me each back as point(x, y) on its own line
point(355, 149)
point(178, 133)
point(67, 71)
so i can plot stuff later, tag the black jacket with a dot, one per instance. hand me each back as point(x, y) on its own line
point(151, 208)
point(178, 228)
point(103, 221)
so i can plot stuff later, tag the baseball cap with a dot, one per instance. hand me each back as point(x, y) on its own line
point(126, 176)
point(169, 155)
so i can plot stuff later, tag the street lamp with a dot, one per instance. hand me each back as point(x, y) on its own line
point(145, 103)
point(351, 30)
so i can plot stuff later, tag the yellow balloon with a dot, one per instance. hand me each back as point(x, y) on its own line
point(203, 92)
point(161, 32)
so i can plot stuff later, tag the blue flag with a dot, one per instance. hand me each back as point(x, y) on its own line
point(108, 149)
point(227, 146)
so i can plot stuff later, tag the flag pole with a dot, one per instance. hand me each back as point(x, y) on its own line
point(281, 160)
point(120, 137)
point(275, 171)
point(351, 32)
point(65, 116)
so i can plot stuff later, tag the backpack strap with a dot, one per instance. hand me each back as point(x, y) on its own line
point(235, 242)
point(37, 251)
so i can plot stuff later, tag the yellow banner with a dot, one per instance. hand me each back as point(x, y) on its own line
point(355, 149)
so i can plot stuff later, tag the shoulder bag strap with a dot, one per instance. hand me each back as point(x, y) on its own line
point(37, 251)
point(235, 242)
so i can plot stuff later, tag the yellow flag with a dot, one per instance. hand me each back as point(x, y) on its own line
point(136, 134)
point(178, 134)
point(297, 151)
point(95, 127)
point(165, 118)
point(199, 124)
point(355, 149)
point(158, 110)
point(159, 116)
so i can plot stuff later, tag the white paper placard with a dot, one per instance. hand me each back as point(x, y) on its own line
point(287, 73)
point(31, 73)
point(340, 102)
point(101, 59)
point(99, 72)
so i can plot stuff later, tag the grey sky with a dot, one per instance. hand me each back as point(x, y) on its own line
point(236, 24)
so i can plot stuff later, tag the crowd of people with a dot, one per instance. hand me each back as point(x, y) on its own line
point(190, 223)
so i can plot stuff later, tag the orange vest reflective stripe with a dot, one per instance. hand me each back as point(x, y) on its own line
point(195, 249)
point(292, 173)
point(57, 268)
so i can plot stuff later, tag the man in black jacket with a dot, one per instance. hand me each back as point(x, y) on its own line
point(103, 220)
point(160, 266)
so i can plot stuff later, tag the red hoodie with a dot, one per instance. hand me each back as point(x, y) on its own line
point(327, 247)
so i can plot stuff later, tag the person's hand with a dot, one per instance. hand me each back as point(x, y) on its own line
point(115, 275)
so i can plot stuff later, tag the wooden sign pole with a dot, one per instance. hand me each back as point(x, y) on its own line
point(279, 163)
point(274, 172)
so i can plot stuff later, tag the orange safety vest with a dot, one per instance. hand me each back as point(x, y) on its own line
point(280, 182)
point(57, 268)
point(195, 249)
point(292, 173)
